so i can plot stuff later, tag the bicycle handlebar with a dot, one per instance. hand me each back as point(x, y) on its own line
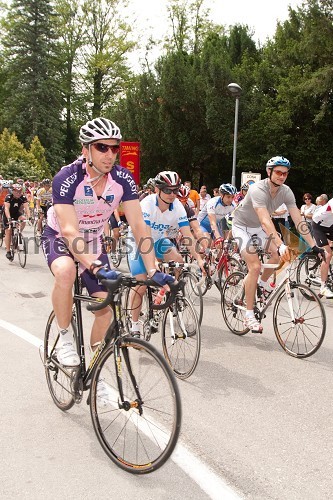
point(113, 286)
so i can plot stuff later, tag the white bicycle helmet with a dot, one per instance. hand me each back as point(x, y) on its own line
point(97, 129)
point(184, 191)
point(227, 189)
point(278, 161)
point(167, 179)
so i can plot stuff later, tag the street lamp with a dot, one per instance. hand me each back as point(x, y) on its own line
point(235, 90)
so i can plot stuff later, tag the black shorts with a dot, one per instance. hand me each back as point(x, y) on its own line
point(322, 234)
point(5, 220)
point(113, 223)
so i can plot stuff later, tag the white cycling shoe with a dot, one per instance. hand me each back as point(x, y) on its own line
point(326, 292)
point(67, 354)
point(253, 324)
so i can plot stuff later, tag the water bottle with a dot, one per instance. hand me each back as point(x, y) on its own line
point(159, 296)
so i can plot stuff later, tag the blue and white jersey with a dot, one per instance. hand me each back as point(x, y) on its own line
point(214, 206)
point(163, 224)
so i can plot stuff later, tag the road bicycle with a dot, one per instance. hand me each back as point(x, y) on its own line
point(178, 325)
point(308, 272)
point(138, 422)
point(37, 233)
point(121, 248)
point(18, 244)
point(299, 318)
point(219, 268)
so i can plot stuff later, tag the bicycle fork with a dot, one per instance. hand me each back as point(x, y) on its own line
point(122, 403)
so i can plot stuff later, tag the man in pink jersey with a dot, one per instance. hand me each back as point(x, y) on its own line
point(85, 193)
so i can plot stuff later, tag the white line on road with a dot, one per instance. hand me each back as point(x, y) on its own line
point(195, 468)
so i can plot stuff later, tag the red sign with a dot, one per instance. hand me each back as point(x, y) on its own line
point(130, 158)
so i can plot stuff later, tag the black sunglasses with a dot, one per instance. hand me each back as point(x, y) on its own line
point(104, 148)
point(170, 191)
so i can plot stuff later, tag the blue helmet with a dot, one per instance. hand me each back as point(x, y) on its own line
point(278, 161)
point(227, 189)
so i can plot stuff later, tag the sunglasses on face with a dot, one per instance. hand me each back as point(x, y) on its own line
point(170, 191)
point(104, 148)
point(307, 199)
point(281, 174)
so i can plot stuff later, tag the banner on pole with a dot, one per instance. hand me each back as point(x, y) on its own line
point(130, 158)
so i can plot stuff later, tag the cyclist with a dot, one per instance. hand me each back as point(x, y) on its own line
point(85, 193)
point(15, 204)
point(113, 230)
point(183, 197)
point(164, 215)
point(252, 220)
point(242, 193)
point(43, 202)
point(194, 197)
point(322, 227)
point(215, 211)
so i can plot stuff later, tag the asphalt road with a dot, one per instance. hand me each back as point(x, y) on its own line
point(257, 423)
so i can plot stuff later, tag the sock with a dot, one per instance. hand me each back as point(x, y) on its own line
point(135, 326)
point(65, 336)
point(323, 284)
point(249, 313)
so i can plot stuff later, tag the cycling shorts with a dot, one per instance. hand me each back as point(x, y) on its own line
point(55, 247)
point(322, 234)
point(135, 261)
point(113, 223)
point(244, 235)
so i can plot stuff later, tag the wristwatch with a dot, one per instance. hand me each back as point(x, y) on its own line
point(94, 265)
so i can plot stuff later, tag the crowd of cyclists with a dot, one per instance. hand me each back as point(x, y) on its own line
point(94, 196)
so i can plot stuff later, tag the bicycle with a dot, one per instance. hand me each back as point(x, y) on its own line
point(308, 272)
point(299, 318)
point(37, 233)
point(218, 269)
point(18, 243)
point(178, 324)
point(2, 229)
point(138, 424)
point(121, 248)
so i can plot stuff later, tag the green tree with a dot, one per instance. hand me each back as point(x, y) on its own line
point(34, 103)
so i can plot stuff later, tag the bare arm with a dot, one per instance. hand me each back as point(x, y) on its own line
point(301, 226)
point(7, 208)
point(213, 225)
point(190, 243)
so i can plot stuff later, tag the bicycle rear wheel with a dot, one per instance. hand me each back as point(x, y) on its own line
point(116, 261)
point(181, 337)
point(140, 434)
point(193, 293)
point(231, 266)
point(58, 381)
point(2, 231)
point(302, 335)
point(22, 250)
point(233, 303)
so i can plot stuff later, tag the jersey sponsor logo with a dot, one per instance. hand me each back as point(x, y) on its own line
point(88, 191)
point(127, 177)
point(64, 188)
point(91, 216)
point(109, 197)
point(146, 215)
point(160, 227)
point(182, 218)
point(84, 201)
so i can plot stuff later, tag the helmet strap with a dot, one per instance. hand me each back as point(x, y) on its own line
point(160, 197)
point(270, 178)
point(90, 163)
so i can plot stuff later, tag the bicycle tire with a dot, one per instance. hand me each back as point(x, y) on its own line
point(233, 316)
point(22, 251)
point(182, 351)
point(193, 293)
point(308, 272)
point(37, 234)
point(58, 382)
point(310, 316)
point(232, 266)
point(2, 231)
point(117, 261)
point(137, 443)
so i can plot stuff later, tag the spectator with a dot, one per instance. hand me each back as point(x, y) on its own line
point(204, 196)
point(280, 216)
point(216, 192)
point(307, 209)
point(325, 198)
point(194, 196)
point(320, 201)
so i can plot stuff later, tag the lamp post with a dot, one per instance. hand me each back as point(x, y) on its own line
point(235, 90)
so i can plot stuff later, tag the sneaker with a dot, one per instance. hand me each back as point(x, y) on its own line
point(326, 292)
point(9, 255)
point(67, 355)
point(253, 324)
point(104, 394)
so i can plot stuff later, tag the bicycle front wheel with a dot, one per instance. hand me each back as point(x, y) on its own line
point(299, 321)
point(193, 293)
point(230, 266)
point(22, 250)
point(57, 380)
point(37, 234)
point(138, 431)
point(181, 337)
point(308, 272)
point(233, 303)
